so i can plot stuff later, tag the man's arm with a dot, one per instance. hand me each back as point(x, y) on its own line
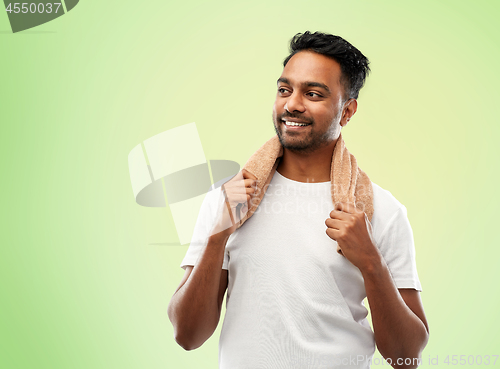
point(195, 307)
point(399, 324)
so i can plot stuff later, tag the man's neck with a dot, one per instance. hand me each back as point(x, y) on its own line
point(307, 167)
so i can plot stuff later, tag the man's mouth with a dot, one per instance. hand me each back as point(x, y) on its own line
point(294, 123)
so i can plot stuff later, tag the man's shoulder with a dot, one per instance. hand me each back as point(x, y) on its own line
point(385, 205)
point(212, 197)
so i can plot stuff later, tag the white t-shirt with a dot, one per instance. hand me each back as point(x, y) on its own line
point(292, 300)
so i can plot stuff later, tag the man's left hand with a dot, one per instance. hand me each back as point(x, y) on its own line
point(352, 230)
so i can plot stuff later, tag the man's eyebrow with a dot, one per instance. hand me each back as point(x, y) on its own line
point(306, 84)
point(283, 80)
point(316, 84)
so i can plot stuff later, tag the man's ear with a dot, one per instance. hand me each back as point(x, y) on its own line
point(350, 107)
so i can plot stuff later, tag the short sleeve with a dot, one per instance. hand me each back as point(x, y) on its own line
point(398, 249)
point(202, 229)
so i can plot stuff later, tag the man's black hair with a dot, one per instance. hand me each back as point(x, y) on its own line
point(353, 64)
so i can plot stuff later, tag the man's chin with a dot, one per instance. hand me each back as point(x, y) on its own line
point(293, 145)
point(290, 143)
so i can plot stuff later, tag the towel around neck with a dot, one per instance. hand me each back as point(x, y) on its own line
point(349, 183)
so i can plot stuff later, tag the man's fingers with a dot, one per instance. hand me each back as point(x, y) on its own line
point(333, 223)
point(236, 196)
point(239, 190)
point(332, 233)
point(241, 183)
point(338, 214)
point(239, 198)
point(343, 210)
point(238, 193)
point(345, 207)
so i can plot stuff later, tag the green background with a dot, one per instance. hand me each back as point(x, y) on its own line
point(84, 283)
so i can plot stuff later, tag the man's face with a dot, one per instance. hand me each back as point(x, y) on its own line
point(309, 94)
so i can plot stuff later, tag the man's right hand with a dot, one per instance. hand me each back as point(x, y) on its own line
point(238, 193)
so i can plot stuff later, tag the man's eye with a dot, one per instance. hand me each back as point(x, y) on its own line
point(282, 90)
point(313, 94)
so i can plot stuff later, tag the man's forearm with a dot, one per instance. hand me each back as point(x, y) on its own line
point(399, 333)
point(194, 308)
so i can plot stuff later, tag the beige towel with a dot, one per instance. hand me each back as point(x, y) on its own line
point(349, 183)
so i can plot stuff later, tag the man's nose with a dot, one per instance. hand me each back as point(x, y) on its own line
point(294, 103)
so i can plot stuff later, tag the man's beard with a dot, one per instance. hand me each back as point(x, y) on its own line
point(307, 144)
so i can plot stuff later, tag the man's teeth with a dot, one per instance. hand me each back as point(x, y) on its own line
point(295, 124)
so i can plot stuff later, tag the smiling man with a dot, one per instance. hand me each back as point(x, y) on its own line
point(297, 271)
point(297, 131)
